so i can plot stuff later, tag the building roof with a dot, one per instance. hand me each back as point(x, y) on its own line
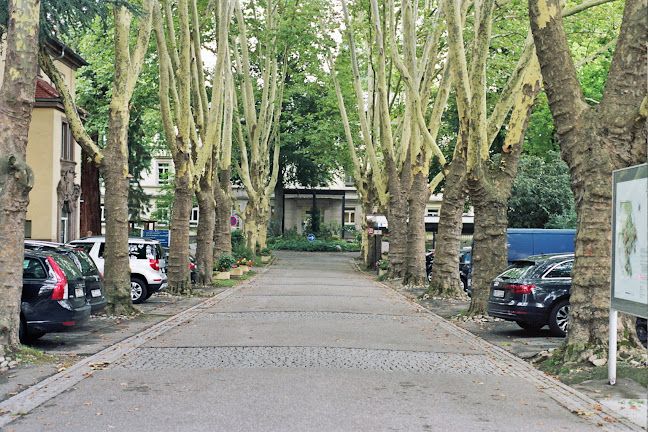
point(44, 90)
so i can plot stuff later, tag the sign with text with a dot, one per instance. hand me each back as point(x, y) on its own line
point(160, 235)
point(629, 282)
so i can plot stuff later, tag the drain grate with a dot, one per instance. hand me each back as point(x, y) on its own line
point(312, 357)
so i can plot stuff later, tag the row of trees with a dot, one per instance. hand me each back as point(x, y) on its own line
point(430, 95)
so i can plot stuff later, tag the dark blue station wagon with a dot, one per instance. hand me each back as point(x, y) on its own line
point(534, 292)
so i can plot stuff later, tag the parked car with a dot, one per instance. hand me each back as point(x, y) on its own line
point(53, 295)
point(147, 263)
point(534, 292)
point(94, 287)
point(465, 268)
point(193, 268)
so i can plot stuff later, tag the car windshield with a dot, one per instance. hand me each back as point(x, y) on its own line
point(517, 270)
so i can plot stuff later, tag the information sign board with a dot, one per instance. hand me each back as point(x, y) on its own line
point(160, 235)
point(629, 278)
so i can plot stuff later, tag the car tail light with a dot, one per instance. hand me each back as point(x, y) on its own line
point(61, 288)
point(192, 266)
point(155, 264)
point(520, 289)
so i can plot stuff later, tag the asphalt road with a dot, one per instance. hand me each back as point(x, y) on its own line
point(311, 344)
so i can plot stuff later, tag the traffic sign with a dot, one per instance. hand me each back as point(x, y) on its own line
point(311, 237)
point(233, 220)
point(370, 231)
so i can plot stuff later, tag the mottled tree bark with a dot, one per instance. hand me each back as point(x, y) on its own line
point(595, 140)
point(205, 231)
point(445, 272)
point(419, 195)
point(223, 230)
point(16, 178)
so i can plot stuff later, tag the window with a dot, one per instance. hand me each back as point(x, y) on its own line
point(562, 270)
point(67, 143)
point(193, 219)
point(33, 269)
point(164, 169)
point(432, 212)
point(65, 223)
point(349, 216)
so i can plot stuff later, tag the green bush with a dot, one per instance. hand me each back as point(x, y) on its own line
point(315, 246)
point(224, 263)
point(240, 251)
point(238, 238)
point(266, 252)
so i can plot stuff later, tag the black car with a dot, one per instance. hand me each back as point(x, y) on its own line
point(429, 260)
point(95, 292)
point(193, 268)
point(465, 268)
point(534, 292)
point(53, 295)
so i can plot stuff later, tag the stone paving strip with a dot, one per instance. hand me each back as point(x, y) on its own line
point(573, 400)
point(47, 389)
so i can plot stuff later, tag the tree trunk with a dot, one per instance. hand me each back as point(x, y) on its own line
point(594, 142)
point(223, 230)
point(445, 271)
point(16, 178)
point(115, 172)
point(251, 226)
point(419, 194)
point(90, 208)
point(399, 185)
point(178, 276)
point(205, 232)
point(277, 225)
point(489, 253)
point(368, 243)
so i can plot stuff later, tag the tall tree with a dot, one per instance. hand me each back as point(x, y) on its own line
point(16, 177)
point(595, 140)
point(401, 83)
point(113, 160)
point(193, 125)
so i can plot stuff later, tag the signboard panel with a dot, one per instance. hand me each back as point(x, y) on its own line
point(629, 281)
point(160, 235)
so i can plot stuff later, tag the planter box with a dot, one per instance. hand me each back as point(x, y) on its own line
point(265, 259)
point(381, 272)
point(238, 271)
point(222, 275)
point(245, 269)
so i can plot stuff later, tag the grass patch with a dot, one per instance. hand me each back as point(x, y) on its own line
point(225, 283)
point(576, 374)
point(28, 354)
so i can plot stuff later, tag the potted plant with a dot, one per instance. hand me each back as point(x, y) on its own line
point(266, 255)
point(382, 265)
point(236, 270)
point(223, 266)
point(244, 264)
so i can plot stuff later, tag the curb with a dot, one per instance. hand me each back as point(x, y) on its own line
point(56, 384)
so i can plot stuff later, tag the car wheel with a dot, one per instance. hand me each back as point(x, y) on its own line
point(559, 318)
point(429, 276)
point(464, 285)
point(25, 335)
point(531, 328)
point(138, 290)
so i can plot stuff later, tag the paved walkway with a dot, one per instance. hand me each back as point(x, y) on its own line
point(310, 344)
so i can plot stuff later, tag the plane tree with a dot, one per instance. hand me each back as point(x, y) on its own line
point(595, 139)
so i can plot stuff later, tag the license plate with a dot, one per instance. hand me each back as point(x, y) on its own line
point(96, 293)
point(79, 292)
point(498, 293)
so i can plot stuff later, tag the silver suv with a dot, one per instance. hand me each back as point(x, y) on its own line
point(146, 263)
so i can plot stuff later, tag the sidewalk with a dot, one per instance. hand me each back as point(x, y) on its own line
point(307, 344)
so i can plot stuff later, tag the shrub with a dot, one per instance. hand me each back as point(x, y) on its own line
point(382, 264)
point(240, 251)
point(315, 246)
point(266, 252)
point(224, 263)
point(238, 238)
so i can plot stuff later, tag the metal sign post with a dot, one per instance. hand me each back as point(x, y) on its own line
point(629, 275)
